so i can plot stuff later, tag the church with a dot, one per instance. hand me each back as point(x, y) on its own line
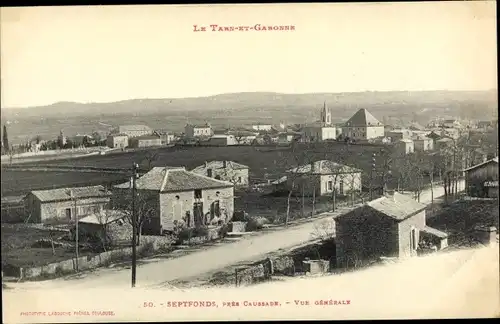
point(321, 130)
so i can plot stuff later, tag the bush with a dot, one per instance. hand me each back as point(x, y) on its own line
point(256, 223)
point(223, 230)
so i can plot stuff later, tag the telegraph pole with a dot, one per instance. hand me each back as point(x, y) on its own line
point(371, 176)
point(134, 223)
point(76, 230)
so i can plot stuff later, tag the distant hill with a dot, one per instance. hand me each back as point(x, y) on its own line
point(250, 107)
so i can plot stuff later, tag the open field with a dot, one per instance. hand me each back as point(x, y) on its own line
point(264, 163)
point(21, 182)
point(18, 246)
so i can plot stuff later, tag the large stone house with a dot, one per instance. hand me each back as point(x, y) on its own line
point(322, 130)
point(482, 180)
point(195, 131)
point(65, 204)
point(321, 177)
point(168, 196)
point(230, 171)
point(390, 226)
point(423, 143)
point(133, 130)
point(363, 126)
point(117, 141)
point(145, 141)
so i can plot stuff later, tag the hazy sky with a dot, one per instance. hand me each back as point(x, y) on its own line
point(99, 54)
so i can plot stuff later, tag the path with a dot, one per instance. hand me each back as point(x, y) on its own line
point(198, 263)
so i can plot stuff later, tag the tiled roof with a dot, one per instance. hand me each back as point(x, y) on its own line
point(324, 167)
point(132, 128)
point(147, 137)
point(494, 160)
point(104, 217)
point(363, 118)
point(396, 206)
point(434, 232)
point(220, 165)
point(165, 179)
point(62, 194)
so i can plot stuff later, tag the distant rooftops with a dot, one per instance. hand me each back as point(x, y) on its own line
point(324, 167)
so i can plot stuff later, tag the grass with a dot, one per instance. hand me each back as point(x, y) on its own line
point(17, 250)
point(459, 219)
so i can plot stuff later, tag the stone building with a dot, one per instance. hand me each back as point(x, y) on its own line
point(322, 130)
point(133, 130)
point(117, 141)
point(482, 180)
point(105, 227)
point(363, 126)
point(389, 226)
point(195, 131)
point(145, 141)
point(65, 204)
point(168, 196)
point(230, 171)
point(321, 177)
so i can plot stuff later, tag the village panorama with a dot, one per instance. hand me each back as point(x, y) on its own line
point(355, 193)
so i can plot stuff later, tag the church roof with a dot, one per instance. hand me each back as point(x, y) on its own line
point(363, 118)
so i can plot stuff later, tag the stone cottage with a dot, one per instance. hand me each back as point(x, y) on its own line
point(167, 196)
point(233, 172)
point(322, 176)
point(65, 204)
point(389, 226)
point(105, 227)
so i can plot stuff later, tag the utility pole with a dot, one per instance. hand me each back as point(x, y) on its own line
point(134, 223)
point(76, 230)
point(371, 176)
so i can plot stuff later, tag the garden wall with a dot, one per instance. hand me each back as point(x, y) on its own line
point(148, 244)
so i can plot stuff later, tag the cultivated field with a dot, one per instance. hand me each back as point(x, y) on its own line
point(264, 163)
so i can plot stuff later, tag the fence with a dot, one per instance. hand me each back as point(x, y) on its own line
point(148, 244)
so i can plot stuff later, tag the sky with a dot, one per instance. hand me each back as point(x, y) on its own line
point(111, 53)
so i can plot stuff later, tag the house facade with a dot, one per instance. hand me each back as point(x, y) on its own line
point(222, 140)
point(399, 134)
point(133, 130)
point(65, 204)
point(166, 137)
point(262, 127)
point(145, 141)
point(194, 131)
point(482, 180)
point(117, 141)
point(174, 196)
point(322, 177)
point(423, 143)
point(363, 126)
point(389, 226)
point(230, 171)
point(404, 146)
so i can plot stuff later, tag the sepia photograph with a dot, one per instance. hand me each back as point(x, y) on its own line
point(307, 161)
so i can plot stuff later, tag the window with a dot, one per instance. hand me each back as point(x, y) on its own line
point(209, 173)
point(239, 179)
point(197, 194)
point(330, 185)
point(68, 213)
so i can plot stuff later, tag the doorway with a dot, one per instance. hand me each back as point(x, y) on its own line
point(68, 213)
point(198, 214)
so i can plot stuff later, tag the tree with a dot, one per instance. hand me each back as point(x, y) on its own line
point(145, 206)
point(149, 158)
point(5, 139)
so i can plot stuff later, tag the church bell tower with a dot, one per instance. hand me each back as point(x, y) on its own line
point(326, 116)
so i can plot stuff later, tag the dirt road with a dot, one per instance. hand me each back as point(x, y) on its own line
point(197, 263)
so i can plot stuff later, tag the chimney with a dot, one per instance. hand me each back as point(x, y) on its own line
point(224, 164)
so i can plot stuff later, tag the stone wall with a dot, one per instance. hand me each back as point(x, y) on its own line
point(148, 243)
